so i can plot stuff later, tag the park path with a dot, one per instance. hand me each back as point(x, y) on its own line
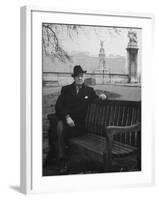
point(123, 92)
point(129, 93)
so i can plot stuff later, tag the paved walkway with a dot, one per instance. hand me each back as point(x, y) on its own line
point(122, 91)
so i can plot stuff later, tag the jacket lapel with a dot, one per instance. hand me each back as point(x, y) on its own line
point(73, 89)
point(82, 91)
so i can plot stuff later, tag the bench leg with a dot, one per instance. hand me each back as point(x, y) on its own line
point(138, 160)
point(107, 162)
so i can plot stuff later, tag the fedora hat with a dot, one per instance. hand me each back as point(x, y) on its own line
point(78, 70)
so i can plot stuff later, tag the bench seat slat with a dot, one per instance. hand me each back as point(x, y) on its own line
point(120, 150)
point(97, 144)
point(124, 146)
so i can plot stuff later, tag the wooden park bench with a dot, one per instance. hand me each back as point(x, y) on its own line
point(113, 132)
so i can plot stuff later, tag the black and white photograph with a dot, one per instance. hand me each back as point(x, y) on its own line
point(91, 99)
point(79, 100)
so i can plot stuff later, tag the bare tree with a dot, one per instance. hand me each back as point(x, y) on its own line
point(53, 34)
point(51, 39)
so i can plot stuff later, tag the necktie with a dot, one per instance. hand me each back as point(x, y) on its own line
point(77, 89)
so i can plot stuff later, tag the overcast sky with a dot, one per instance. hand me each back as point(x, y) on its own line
point(88, 40)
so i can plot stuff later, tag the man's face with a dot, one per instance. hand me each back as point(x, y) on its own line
point(79, 80)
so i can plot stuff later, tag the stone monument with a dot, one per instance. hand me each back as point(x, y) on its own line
point(102, 68)
point(132, 57)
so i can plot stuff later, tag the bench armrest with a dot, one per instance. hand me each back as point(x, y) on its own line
point(112, 130)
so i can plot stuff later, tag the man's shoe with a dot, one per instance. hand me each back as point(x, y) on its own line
point(50, 160)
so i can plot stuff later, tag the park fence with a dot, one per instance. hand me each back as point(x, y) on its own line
point(64, 78)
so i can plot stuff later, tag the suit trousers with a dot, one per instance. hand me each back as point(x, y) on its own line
point(59, 133)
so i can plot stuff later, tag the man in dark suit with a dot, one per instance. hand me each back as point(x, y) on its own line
point(71, 107)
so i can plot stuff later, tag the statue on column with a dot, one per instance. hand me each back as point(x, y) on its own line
point(101, 56)
point(132, 35)
point(102, 68)
point(132, 56)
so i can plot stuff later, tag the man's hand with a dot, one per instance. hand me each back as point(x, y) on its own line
point(102, 96)
point(70, 121)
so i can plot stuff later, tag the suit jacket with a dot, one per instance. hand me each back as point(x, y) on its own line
point(74, 104)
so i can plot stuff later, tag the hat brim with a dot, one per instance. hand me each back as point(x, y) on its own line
point(82, 72)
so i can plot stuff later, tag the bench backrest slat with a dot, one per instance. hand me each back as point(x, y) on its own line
point(117, 113)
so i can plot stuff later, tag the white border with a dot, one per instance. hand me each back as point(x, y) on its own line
point(31, 106)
